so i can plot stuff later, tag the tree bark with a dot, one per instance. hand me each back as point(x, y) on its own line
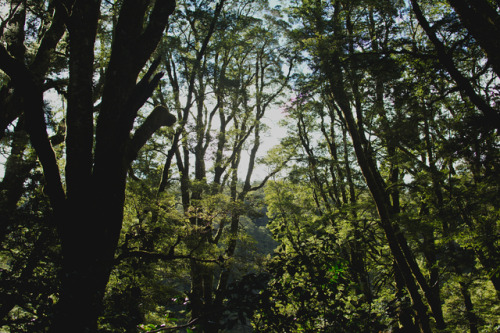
point(90, 222)
point(404, 311)
point(16, 172)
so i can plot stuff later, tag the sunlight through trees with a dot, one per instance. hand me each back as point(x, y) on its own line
point(249, 166)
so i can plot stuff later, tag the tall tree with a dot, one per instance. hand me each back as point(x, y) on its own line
point(88, 209)
point(330, 63)
point(231, 74)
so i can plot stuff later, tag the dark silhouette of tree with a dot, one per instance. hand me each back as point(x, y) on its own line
point(88, 201)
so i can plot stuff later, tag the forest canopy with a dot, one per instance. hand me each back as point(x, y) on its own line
point(249, 166)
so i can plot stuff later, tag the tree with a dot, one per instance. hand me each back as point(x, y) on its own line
point(330, 63)
point(351, 49)
point(446, 59)
point(314, 284)
point(383, 199)
point(228, 73)
point(88, 209)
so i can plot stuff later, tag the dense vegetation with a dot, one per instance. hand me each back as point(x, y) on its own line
point(139, 192)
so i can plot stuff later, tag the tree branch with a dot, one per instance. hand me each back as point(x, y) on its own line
point(12, 12)
point(157, 22)
point(50, 40)
point(160, 116)
point(82, 29)
point(144, 89)
point(191, 323)
point(447, 61)
point(483, 23)
point(36, 127)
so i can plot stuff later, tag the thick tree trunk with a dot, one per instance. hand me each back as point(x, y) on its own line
point(89, 239)
point(83, 278)
point(89, 214)
point(82, 291)
point(90, 222)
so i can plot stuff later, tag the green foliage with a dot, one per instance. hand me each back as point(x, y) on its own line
point(306, 252)
point(29, 264)
point(313, 287)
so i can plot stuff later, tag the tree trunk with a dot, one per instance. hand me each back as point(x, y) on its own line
point(404, 311)
point(89, 215)
point(377, 189)
point(469, 308)
point(17, 170)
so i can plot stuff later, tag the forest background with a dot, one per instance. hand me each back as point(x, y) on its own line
point(140, 194)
